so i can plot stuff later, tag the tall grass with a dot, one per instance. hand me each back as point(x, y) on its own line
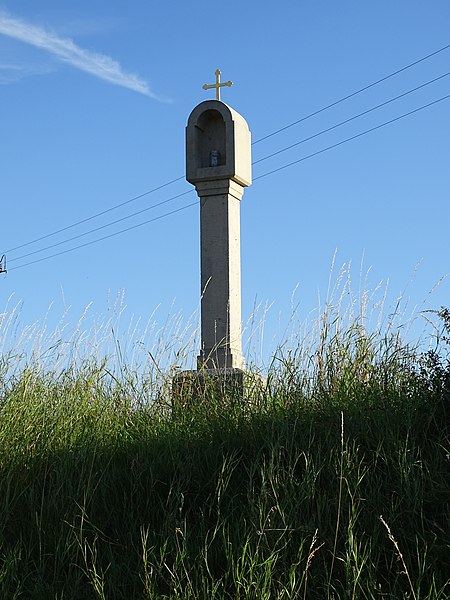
point(332, 483)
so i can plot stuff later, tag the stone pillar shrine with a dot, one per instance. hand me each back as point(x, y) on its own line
point(218, 164)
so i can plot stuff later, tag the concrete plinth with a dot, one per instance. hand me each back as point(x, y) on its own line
point(222, 386)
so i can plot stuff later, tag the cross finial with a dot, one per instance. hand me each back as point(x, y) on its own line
point(217, 85)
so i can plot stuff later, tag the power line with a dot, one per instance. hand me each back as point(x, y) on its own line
point(103, 212)
point(112, 208)
point(105, 237)
point(361, 134)
point(363, 89)
point(365, 112)
point(76, 237)
point(353, 137)
point(254, 163)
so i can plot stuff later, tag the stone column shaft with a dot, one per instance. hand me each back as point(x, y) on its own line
point(221, 329)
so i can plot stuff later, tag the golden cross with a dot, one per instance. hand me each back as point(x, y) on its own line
point(217, 85)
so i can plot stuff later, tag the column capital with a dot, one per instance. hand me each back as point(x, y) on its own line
point(219, 187)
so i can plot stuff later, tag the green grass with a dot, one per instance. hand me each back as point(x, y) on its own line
point(332, 483)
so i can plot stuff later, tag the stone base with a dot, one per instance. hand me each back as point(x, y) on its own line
point(220, 386)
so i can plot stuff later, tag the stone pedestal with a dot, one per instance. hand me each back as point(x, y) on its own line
point(219, 387)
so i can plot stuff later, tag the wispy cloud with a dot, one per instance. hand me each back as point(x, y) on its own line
point(11, 73)
point(65, 50)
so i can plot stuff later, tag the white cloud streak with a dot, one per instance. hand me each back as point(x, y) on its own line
point(65, 50)
point(11, 73)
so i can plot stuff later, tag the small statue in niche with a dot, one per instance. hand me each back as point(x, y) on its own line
point(214, 158)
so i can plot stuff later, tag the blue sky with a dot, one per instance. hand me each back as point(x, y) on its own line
point(95, 97)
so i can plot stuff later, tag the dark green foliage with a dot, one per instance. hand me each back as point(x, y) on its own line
point(102, 497)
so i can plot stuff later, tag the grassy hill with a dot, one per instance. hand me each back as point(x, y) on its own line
point(332, 483)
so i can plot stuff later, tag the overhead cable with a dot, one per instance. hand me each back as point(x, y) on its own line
point(353, 137)
point(361, 114)
point(363, 89)
point(101, 213)
point(76, 237)
point(295, 162)
point(105, 237)
point(254, 163)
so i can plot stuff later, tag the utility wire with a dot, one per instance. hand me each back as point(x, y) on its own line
point(363, 89)
point(361, 114)
point(76, 237)
point(108, 210)
point(105, 237)
point(367, 131)
point(353, 137)
point(103, 212)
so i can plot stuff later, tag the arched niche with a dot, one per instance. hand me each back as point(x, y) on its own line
point(211, 139)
